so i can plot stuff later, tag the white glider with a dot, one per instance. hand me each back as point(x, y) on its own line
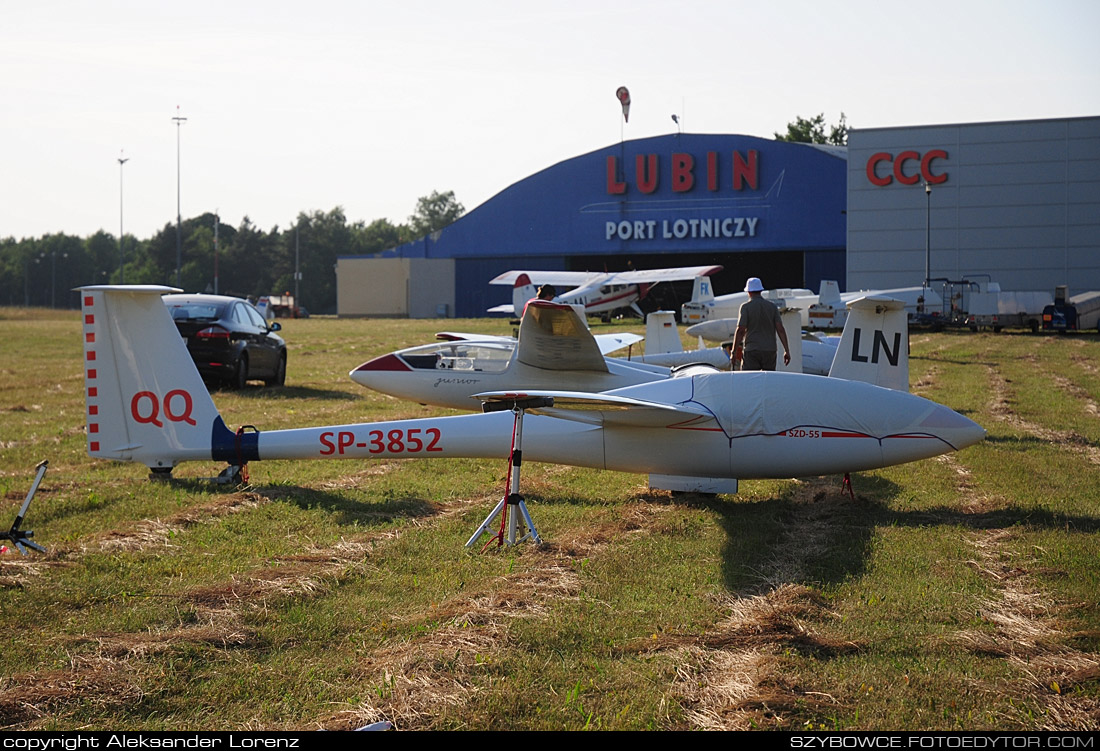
point(147, 404)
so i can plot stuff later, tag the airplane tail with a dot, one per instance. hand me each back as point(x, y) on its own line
point(792, 325)
point(703, 290)
point(874, 346)
point(829, 294)
point(522, 291)
point(661, 335)
point(145, 399)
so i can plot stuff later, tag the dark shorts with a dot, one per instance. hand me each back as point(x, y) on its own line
point(758, 359)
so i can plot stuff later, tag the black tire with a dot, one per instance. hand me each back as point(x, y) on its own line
point(280, 373)
point(240, 375)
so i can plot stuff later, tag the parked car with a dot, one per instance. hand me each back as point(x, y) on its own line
point(229, 340)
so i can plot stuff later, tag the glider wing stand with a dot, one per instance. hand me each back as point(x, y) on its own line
point(19, 537)
point(512, 509)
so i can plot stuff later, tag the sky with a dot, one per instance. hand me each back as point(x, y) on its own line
point(370, 104)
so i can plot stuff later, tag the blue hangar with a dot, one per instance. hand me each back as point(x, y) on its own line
point(758, 207)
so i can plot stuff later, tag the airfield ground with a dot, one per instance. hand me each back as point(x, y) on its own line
point(958, 594)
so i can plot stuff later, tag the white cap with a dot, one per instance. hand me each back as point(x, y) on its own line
point(754, 285)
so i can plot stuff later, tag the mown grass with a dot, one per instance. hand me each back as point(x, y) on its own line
point(958, 593)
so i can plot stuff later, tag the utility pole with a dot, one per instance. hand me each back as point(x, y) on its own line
point(217, 221)
point(927, 234)
point(121, 272)
point(179, 232)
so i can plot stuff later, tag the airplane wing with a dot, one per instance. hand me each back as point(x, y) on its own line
point(553, 337)
point(581, 278)
point(609, 343)
point(602, 409)
point(456, 336)
point(652, 276)
point(557, 278)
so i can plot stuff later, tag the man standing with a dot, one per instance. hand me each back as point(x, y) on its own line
point(758, 323)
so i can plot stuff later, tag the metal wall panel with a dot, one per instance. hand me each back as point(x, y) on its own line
point(1021, 203)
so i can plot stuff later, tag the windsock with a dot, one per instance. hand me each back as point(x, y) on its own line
point(623, 95)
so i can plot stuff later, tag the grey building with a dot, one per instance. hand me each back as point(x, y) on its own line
point(1017, 201)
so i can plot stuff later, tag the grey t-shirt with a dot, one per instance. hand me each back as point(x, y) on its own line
point(759, 317)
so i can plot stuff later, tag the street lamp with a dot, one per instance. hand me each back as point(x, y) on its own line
point(121, 272)
point(297, 273)
point(927, 234)
point(53, 274)
point(179, 233)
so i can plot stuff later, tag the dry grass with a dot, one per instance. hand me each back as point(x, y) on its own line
point(330, 595)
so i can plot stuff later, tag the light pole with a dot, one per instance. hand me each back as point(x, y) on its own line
point(121, 272)
point(53, 274)
point(927, 234)
point(217, 221)
point(297, 273)
point(179, 233)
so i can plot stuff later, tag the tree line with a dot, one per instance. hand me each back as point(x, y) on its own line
point(250, 262)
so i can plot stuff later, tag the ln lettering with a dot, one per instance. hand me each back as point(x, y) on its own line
point(878, 344)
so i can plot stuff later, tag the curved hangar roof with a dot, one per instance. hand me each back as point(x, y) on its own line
point(684, 193)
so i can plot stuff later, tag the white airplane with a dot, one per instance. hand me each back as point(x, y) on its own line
point(704, 306)
point(823, 310)
point(817, 349)
point(555, 349)
point(598, 292)
point(146, 403)
point(812, 353)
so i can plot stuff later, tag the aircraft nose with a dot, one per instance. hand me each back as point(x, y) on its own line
point(954, 428)
point(385, 364)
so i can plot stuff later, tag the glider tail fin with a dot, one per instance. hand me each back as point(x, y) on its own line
point(875, 344)
point(522, 291)
point(661, 334)
point(145, 401)
point(703, 289)
point(829, 294)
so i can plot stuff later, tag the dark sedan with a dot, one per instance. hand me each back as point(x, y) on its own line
point(229, 340)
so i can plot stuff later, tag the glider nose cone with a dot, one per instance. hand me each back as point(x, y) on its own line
point(369, 373)
point(952, 427)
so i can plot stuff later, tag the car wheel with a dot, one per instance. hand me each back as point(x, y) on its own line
point(240, 375)
point(280, 373)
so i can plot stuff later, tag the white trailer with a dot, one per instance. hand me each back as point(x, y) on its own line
point(995, 309)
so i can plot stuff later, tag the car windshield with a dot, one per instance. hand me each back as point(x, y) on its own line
point(195, 311)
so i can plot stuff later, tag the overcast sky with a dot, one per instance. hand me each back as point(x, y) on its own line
point(368, 105)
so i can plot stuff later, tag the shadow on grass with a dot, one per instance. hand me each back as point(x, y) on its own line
point(346, 511)
point(815, 535)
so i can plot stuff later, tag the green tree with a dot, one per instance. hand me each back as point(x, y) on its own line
point(322, 238)
point(382, 234)
point(813, 131)
point(434, 212)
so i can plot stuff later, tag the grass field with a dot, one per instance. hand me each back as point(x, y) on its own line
point(958, 593)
